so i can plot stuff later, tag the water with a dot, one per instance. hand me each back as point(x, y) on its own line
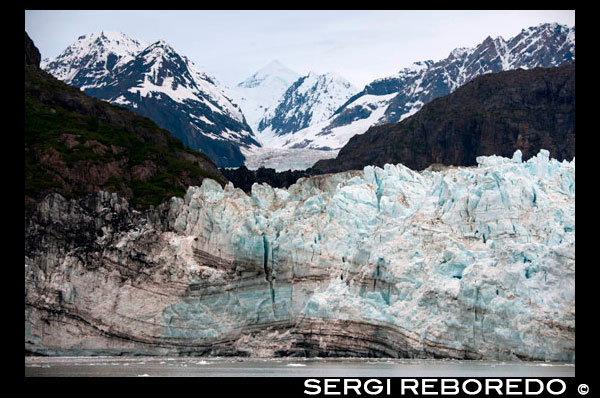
point(287, 367)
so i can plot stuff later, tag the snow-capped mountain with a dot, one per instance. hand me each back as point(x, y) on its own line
point(168, 88)
point(396, 97)
point(92, 57)
point(311, 99)
point(262, 90)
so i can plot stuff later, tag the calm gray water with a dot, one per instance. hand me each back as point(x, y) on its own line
point(294, 367)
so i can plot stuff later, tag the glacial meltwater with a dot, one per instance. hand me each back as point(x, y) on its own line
point(287, 367)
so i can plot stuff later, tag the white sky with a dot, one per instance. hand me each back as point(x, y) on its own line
point(231, 45)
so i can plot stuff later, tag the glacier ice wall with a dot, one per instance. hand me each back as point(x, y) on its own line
point(462, 262)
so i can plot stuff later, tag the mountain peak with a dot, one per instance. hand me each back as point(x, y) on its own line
point(458, 52)
point(311, 99)
point(552, 25)
point(274, 68)
point(160, 43)
point(274, 64)
point(157, 82)
point(160, 47)
point(261, 91)
point(333, 75)
point(106, 37)
point(92, 56)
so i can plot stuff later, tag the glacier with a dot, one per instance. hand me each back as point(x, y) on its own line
point(450, 262)
point(282, 159)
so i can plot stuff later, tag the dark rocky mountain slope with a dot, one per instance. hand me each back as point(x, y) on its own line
point(76, 144)
point(244, 178)
point(496, 113)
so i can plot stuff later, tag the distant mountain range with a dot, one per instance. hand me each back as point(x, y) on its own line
point(494, 114)
point(394, 98)
point(155, 81)
point(276, 108)
point(278, 102)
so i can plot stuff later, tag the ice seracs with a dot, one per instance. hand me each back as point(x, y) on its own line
point(474, 259)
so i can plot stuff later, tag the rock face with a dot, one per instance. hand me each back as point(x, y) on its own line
point(32, 54)
point(382, 262)
point(496, 113)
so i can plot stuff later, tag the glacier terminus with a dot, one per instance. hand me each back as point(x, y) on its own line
point(450, 262)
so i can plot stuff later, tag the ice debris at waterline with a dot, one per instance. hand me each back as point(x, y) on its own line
point(463, 263)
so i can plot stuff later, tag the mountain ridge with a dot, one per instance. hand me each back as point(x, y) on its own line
point(391, 99)
point(493, 114)
point(159, 83)
point(92, 57)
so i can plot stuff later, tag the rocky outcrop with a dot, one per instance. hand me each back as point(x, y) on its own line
point(32, 54)
point(494, 114)
point(244, 178)
point(382, 262)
